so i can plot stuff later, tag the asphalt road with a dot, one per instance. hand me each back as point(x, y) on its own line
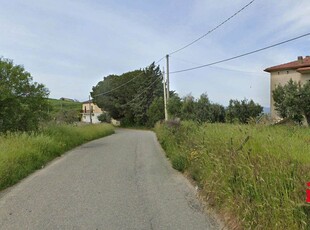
point(119, 182)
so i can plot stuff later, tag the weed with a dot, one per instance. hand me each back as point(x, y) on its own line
point(256, 173)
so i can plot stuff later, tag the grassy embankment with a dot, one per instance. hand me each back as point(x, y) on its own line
point(64, 111)
point(21, 154)
point(60, 105)
point(255, 176)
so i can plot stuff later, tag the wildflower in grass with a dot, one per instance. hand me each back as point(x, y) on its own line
point(308, 193)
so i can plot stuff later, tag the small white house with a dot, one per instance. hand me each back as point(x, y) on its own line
point(90, 112)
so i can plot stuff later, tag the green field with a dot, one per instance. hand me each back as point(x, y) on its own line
point(23, 153)
point(254, 176)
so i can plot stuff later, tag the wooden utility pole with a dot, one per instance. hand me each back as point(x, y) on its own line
point(90, 112)
point(167, 79)
point(165, 96)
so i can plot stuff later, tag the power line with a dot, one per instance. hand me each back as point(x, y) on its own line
point(160, 59)
point(153, 75)
point(241, 55)
point(218, 67)
point(135, 98)
point(210, 31)
point(120, 86)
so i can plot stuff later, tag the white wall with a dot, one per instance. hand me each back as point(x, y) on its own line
point(85, 118)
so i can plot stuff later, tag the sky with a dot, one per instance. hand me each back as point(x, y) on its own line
point(70, 45)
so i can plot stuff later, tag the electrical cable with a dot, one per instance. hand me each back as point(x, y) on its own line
point(241, 55)
point(215, 28)
point(217, 67)
point(136, 97)
point(160, 60)
point(120, 86)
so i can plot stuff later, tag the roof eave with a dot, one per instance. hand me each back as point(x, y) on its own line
point(272, 69)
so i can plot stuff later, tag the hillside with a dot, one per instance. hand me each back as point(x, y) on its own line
point(63, 110)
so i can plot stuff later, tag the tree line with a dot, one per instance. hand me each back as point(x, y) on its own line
point(141, 103)
point(24, 104)
point(136, 104)
point(203, 110)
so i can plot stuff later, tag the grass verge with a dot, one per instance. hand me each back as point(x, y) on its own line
point(23, 153)
point(255, 175)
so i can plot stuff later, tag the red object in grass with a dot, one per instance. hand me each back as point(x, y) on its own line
point(308, 193)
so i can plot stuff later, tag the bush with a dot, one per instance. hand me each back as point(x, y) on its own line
point(104, 117)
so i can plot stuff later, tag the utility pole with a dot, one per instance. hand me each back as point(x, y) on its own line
point(167, 79)
point(90, 111)
point(165, 96)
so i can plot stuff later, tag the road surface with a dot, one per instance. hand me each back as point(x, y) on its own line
point(118, 182)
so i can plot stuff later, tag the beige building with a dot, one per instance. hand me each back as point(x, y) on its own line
point(96, 111)
point(298, 70)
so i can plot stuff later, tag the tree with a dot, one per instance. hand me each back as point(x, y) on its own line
point(155, 112)
point(241, 111)
point(202, 108)
point(131, 102)
point(292, 100)
point(305, 101)
point(23, 103)
point(174, 106)
point(278, 96)
point(217, 113)
point(188, 109)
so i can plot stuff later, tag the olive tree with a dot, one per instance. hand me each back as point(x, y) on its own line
point(292, 100)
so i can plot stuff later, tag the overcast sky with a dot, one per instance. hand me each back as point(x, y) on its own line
point(70, 45)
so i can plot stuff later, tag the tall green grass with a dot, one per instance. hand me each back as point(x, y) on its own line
point(23, 153)
point(255, 174)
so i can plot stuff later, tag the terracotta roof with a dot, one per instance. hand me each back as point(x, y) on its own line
point(300, 63)
point(304, 70)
